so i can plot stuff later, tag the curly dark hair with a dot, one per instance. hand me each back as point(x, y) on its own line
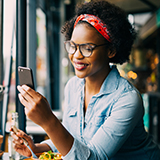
point(121, 31)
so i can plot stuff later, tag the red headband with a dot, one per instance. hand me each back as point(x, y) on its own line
point(96, 23)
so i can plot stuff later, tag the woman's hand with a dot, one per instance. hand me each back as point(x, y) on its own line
point(36, 106)
point(19, 145)
point(38, 110)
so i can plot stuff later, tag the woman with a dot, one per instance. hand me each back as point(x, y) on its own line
point(103, 117)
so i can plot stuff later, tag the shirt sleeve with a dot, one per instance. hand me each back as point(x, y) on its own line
point(79, 151)
point(51, 145)
point(127, 111)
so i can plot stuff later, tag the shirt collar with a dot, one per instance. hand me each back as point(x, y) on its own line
point(111, 82)
point(109, 85)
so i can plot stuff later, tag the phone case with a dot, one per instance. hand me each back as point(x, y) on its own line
point(25, 76)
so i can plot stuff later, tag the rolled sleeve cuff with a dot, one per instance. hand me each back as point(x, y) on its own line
point(50, 144)
point(78, 151)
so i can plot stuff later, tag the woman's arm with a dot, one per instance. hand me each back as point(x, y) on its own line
point(38, 110)
point(115, 129)
point(41, 147)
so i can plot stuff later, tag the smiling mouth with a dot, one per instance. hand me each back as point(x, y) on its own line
point(80, 66)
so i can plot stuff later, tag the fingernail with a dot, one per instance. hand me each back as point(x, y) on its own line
point(21, 141)
point(18, 87)
point(25, 87)
point(15, 137)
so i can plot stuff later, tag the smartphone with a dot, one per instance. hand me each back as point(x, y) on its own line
point(25, 76)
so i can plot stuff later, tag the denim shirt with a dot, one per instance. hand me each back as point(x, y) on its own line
point(112, 127)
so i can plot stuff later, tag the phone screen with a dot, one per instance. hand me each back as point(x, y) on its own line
point(25, 76)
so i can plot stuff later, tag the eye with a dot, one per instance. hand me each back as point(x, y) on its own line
point(72, 45)
point(87, 47)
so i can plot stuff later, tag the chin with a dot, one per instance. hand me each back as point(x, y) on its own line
point(80, 75)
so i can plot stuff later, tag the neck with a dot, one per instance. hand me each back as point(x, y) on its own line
point(93, 85)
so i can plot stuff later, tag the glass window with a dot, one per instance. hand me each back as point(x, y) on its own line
point(41, 52)
point(9, 52)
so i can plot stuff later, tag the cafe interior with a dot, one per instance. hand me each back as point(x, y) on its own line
point(30, 36)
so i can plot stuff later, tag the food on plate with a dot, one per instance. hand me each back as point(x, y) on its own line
point(50, 156)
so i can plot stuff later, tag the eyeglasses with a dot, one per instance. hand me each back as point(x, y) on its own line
point(85, 49)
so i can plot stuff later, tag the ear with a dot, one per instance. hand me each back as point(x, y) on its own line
point(111, 54)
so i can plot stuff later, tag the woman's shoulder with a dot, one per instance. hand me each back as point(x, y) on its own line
point(121, 84)
point(127, 85)
point(129, 94)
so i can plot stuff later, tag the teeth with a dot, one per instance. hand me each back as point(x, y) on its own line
point(80, 65)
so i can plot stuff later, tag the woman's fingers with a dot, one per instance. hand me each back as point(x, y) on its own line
point(24, 92)
point(14, 136)
point(19, 135)
point(37, 107)
point(26, 97)
point(23, 100)
point(22, 149)
point(18, 144)
point(24, 135)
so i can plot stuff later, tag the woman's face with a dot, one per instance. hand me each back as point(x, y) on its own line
point(97, 64)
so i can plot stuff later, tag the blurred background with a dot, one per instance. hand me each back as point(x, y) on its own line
point(30, 36)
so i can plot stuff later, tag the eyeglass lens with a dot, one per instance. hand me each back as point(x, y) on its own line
point(70, 47)
point(85, 49)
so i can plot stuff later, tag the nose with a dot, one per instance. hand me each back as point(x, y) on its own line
point(78, 54)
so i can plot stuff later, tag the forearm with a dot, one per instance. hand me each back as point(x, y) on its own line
point(60, 137)
point(39, 148)
point(38, 110)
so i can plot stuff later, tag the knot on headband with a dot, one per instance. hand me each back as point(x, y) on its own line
point(96, 23)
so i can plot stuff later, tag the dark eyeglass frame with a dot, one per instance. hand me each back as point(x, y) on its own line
point(92, 46)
